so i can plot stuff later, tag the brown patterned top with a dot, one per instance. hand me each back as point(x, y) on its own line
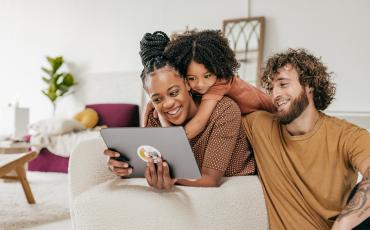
point(223, 143)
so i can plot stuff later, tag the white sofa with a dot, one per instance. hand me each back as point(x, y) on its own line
point(100, 200)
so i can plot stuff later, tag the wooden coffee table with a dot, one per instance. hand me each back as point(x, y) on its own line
point(7, 147)
point(16, 162)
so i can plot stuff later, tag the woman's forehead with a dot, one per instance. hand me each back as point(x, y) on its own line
point(163, 80)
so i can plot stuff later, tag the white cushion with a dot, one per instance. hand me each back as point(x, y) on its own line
point(130, 204)
point(56, 126)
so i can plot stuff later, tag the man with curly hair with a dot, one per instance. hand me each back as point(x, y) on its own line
point(308, 161)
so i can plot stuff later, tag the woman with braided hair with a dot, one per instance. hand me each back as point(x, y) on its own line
point(221, 149)
point(209, 65)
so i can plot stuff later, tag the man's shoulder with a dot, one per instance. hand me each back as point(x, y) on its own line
point(338, 122)
point(263, 117)
point(260, 121)
point(341, 127)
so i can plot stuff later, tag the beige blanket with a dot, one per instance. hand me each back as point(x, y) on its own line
point(61, 145)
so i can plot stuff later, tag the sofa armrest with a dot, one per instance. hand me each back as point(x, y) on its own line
point(87, 166)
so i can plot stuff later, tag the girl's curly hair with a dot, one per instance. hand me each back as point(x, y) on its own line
point(208, 47)
point(312, 72)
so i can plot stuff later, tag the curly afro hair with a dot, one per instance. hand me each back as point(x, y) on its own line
point(208, 47)
point(312, 72)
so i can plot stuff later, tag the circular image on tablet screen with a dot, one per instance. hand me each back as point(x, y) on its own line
point(145, 151)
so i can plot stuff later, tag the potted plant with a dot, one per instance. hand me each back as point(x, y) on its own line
point(59, 83)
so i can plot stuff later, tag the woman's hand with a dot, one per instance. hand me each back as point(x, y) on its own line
point(118, 168)
point(159, 177)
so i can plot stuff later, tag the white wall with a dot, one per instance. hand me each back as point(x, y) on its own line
point(94, 36)
point(336, 30)
point(102, 37)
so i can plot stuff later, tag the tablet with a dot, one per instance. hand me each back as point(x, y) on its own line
point(136, 144)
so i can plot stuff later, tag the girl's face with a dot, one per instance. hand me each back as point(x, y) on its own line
point(170, 96)
point(199, 78)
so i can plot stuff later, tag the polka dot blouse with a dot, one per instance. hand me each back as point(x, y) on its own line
point(223, 144)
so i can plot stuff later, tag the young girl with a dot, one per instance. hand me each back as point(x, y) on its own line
point(209, 65)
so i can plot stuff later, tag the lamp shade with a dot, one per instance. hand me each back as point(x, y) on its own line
point(14, 121)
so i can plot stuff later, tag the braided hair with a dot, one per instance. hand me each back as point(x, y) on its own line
point(208, 47)
point(152, 53)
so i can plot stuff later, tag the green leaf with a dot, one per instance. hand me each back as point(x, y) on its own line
point(62, 93)
point(55, 63)
point(44, 92)
point(50, 60)
point(53, 79)
point(68, 80)
point(63, 89)
point(51, 96)
point(59, 59)
point(46, 80)
point(59, 78)
point(47, 71)
point(59, 83)
point(52, 88)
point(58, 62)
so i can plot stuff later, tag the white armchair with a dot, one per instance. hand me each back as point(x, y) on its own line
point(100, 200)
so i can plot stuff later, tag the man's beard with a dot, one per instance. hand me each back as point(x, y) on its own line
point(296, 108)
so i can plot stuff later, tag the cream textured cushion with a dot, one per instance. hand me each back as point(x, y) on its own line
point(56, 126)
point(99, 200)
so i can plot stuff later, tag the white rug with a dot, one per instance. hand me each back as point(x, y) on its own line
point(51, 194)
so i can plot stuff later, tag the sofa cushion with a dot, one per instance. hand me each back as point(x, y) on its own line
point(117, 115)
point(130, 204)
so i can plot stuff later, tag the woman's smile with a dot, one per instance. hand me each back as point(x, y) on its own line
point(174, 111)
point(174, 115)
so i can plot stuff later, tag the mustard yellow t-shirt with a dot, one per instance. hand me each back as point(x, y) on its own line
point(306, 179)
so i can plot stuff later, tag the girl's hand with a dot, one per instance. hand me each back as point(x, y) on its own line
point(145, 114)
point(159, 177)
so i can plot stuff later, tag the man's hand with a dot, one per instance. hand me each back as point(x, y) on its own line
point(118, 168)
point(159, 178)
